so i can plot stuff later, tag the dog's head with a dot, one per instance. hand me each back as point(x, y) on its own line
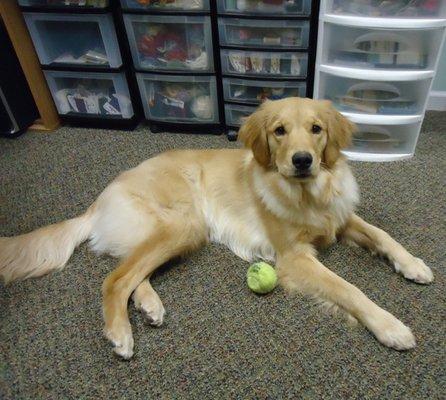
point(296, 136)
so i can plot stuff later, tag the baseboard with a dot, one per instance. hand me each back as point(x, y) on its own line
point(437, 100)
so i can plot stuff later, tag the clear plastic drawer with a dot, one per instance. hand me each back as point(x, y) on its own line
point(256, 63)
point(263, 33)
point(235, 114)
point(83, 39)
point(384, 142)
point(264, 7)
point(392, 8)
point(171, 43)
point(95, 94)
point(65, 3)
point(254, 92)
point(166, 6)
point(373, 97)
point(381, 48)
point(173, 98)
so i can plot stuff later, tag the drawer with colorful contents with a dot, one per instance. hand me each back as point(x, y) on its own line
point(173, 98)
point(384, 142)
point(65, 3)
point(236, 114)
point(79, 40)
point(268, 63)
point(90, 94)
point(255, 92)
point(166, 5)
point(265, 7)
point(386, 8)
point(263, 33)
point(381, 48)
point(170, 43)
point(374, 97)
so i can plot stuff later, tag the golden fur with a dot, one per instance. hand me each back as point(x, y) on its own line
point(251, 200)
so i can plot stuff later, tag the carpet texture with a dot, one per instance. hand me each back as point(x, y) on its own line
point(219, 340)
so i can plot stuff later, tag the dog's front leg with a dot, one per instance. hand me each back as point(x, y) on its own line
point(360, 232)
point(300, 270)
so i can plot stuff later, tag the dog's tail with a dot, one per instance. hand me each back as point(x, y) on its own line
point(44, 250)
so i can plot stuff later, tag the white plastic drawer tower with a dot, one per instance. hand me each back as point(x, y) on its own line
point(376, 61)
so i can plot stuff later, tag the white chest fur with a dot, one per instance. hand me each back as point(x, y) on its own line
point(329, 199)
point(235, 222)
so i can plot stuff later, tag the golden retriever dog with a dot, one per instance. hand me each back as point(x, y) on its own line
point(287, 193)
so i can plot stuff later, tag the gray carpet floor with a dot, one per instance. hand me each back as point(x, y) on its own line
point(219, 340)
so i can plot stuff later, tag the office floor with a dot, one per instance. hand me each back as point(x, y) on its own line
point(219, 340)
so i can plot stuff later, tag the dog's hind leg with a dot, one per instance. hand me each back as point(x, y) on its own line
point(148, 302)
point(166, 242)
point(365, 235)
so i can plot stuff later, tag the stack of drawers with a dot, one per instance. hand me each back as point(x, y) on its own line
point(375, 62)
point(172, 51)
point(79, 52)
point(264, 53)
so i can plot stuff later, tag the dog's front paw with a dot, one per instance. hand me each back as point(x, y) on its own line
point(120, 335)
point(391, 332)
point(415, 270)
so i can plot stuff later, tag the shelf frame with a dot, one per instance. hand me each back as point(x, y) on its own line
point(15, 25)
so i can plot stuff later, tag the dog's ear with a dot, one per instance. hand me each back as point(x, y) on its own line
point(253, 135)
point(339, 130)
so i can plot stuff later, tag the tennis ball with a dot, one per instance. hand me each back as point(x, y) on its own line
point(261, 277)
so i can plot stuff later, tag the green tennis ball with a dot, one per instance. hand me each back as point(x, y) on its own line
point(261, 277)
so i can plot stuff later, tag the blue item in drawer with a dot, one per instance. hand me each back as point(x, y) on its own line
point(406, 107)
point(376, 98)
point(382, 60)
point(375, 107)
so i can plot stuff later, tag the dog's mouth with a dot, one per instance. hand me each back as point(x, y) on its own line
point(302, 174)
point(295, 174)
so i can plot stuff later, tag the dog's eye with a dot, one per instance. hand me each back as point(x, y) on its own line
point(280, 131)
point(316, 129)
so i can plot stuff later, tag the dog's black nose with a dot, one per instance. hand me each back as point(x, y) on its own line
point(302, 160)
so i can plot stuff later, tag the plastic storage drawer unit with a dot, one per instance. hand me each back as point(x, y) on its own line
point(263, 33)
point(262, 7)
point(381, 48)
point(374, 97)
point(384, 142)
point(160, 5)
point(254, 92)
point(235, 114)
point(173, 98)
point(83, 39)
point(171, 43)
point(391, 9)
point(65, 3)
point(90, 93)
point(256, 63)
